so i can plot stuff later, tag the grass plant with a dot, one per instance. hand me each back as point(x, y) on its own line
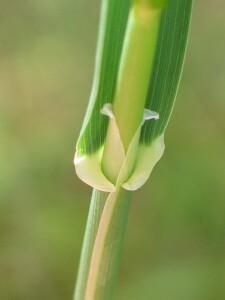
point(139, 61)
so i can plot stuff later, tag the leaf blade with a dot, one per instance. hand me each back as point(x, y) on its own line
point(112, 28)
point(167, 67)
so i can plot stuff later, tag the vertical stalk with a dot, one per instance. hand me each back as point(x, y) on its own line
point(102, 246)
point(133, 78)
point(104, 234)
point(94, 215)
point(107, 248)
point(135, 68)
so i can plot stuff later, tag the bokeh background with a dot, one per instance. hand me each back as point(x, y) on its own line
point(175, 242)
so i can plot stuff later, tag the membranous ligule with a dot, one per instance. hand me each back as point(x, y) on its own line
point(133, 166)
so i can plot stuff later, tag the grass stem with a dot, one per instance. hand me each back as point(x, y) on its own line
point(102, 246)
point(133, 79)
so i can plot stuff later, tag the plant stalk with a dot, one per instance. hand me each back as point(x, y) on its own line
point(102, 246)
point(94, 215)
point(108, 213)
point(133, 79)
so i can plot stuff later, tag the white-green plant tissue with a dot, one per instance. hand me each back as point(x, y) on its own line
point(131, 164)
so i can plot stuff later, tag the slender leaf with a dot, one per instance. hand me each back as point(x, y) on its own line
point(111, 35)
point(168, 64)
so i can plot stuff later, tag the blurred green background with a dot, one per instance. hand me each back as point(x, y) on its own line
point(175, 243)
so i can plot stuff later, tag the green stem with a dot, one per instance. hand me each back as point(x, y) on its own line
point(105, 228)
point(94, 215)
point(102, 248)
point(107, 248)
point(135, 69)
point(133, 79)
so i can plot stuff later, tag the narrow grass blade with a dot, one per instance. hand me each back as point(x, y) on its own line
point(167, 67)
point(111, 35)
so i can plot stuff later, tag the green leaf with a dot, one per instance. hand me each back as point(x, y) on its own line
point(158, 3)
point(165, 77)
point(168, 64)
point(111, 35)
